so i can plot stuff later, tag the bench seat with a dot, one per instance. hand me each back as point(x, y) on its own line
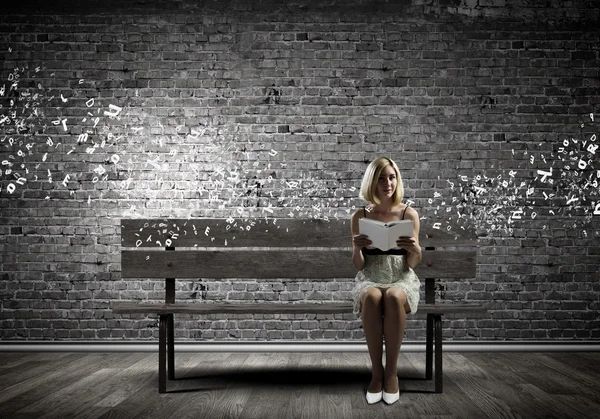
point(274, 308)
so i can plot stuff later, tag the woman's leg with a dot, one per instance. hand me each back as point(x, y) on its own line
point(372, 312)
point(395, 307)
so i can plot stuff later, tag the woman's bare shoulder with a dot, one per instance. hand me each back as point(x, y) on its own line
point(358, 213)
point(411, 212)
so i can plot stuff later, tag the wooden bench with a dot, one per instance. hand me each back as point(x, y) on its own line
point(273, 249)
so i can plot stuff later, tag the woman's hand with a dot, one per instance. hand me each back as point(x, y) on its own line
point(361, 240)
point(409, 244)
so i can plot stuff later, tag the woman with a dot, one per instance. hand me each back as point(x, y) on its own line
point(387, 287)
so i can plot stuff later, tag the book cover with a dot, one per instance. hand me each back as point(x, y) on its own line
point(384, 235)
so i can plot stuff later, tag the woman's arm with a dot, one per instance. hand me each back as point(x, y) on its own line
point(358, 242)
point(411, 244)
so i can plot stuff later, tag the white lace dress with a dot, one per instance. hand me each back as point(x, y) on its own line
point(386, 271)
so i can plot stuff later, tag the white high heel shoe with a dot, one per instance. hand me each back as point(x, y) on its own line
point(390, 398)
point(374, 397)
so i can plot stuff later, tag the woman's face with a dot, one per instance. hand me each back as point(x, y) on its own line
point(387, 182)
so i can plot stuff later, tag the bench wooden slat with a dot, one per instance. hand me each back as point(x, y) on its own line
point(191, 233)
point(299, 264)
point(275, 308)
point(284, 233)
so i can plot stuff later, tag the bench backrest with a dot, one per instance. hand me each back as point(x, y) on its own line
point(282, 248)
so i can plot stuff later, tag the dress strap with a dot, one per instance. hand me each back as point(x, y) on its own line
point(404, 212)
point(365, 211)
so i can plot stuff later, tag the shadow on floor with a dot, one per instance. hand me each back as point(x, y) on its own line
point(327, 378)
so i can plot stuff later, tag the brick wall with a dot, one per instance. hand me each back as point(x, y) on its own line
point(274, 109)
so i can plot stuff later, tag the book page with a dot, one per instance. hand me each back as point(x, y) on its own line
point(376, 233)
point(403, 228)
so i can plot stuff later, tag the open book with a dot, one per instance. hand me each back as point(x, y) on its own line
point(384, 235)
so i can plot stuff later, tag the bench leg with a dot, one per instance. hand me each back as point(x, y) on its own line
point(438, 354)
point(171, 347)
point(170, 298)
point(162, 354)
point(429, 348)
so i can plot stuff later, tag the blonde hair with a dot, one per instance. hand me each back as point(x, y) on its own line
point(368, 186)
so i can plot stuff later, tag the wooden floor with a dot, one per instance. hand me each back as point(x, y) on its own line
point(296, 385)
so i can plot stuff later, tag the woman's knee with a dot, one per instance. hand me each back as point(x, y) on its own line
point(371, 297)
point(395, 297)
